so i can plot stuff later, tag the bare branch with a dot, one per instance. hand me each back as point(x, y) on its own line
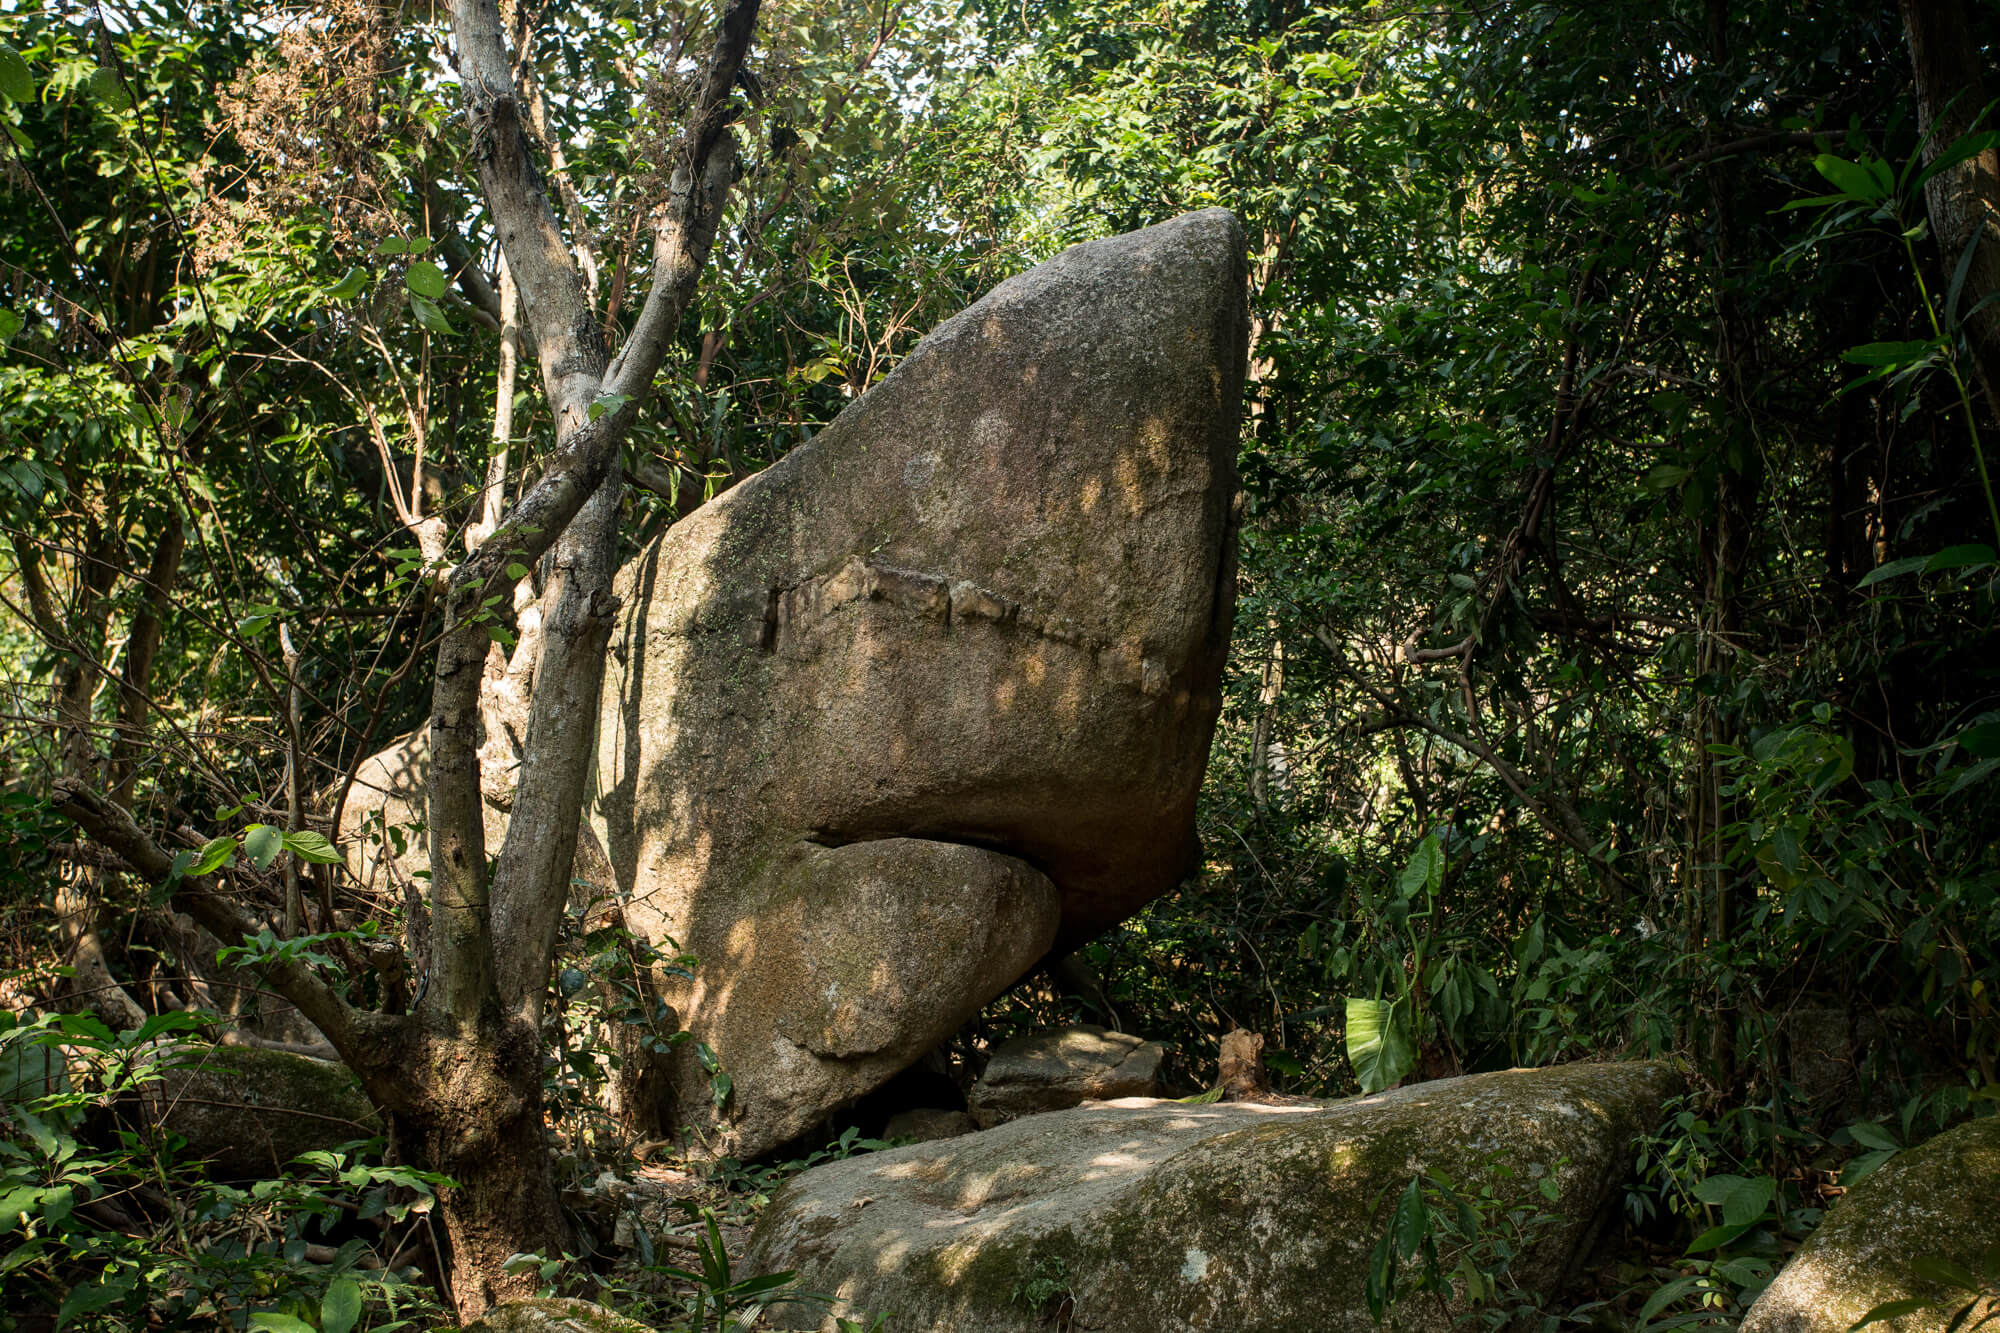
point(568, 341)
point(704, 163)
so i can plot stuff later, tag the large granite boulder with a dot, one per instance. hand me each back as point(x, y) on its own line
point(1143, 1216)
point(1053, 1071)
point(887, 721)
point(1934, 1202)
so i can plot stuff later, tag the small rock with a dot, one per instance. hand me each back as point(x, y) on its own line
point(928, 1124)
point(1053, 1071)
point(1240, 1068)
point(1934, 1201)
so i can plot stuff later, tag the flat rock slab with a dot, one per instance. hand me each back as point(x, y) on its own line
point(1939, 1200)
point(934, 693)
point(1053, 1071)
point(1145, 1216)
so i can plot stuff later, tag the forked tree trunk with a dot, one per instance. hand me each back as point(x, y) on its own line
point(460, 1078)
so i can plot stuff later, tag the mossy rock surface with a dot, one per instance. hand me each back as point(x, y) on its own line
point(248, 1111)
point(1939, 1200)
point(1144, 1216)
point(553, 1315)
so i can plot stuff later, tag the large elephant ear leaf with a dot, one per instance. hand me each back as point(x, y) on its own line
point(1378, 1044)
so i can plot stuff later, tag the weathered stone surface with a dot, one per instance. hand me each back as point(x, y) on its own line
point(553, 1314)
point(248, 1112)
point(1157, 1217)
point(1052, 1071)
point(384, 827)
point(1934, 1201)
point(959, 656)
point(928, 1124)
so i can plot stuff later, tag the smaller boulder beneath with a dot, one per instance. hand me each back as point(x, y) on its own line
point(928, 1125)
point(1933, 1202)
point(1053, 1071)
point(553, 1315)
point(249, 1111)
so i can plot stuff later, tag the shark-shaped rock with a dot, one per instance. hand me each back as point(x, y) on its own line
point(933, 694)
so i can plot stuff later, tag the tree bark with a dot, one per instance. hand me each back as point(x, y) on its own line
point(1964, 199)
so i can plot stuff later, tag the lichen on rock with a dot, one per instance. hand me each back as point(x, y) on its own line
point(249, 1111)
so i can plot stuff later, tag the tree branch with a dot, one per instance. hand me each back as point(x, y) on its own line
point(111, 826)
point(704, 164)
point(530, 885)
point(568, 341)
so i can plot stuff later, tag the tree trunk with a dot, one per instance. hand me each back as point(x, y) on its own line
point(475, 1114)
point(1964, 199)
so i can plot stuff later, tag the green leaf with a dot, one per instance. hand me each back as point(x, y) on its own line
point(1889, 354)
point(280, 1323)
point(214, 854)
point(1412, 1221)
point(1851, 178)
point(341, 1309)
point(1871, 1135)
point(313, 847)
point(351, 285)
point(1960, 557)
point(10, 324)
point(425, 279)
point(1959, 150)
point(719, 1088)
point(1893, 570)
point(262, 843)
point(1664, 1297)
point(1664, 477)
point(107, 90)
point(1982, 740)
point(392, 245)
point(517, 571)
point(1863, 1167)
point(1888, 1310)
point(1716, 1237)
point(430, 315)
point(88, 1298)
point(608, 402)
point(1378, 1046)
point(16, 83)
point(1425, 872)
point(1742, 1199)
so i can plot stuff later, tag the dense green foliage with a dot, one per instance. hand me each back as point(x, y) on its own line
point(1615, 664)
